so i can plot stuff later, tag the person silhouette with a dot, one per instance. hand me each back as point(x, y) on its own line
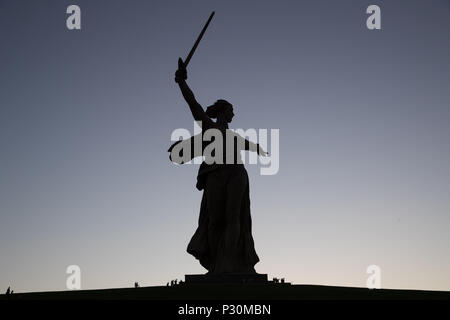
point(223, 241)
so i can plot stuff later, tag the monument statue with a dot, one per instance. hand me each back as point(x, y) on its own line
point(223, 241)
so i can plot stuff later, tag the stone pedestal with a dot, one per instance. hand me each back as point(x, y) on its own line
point(225, 278)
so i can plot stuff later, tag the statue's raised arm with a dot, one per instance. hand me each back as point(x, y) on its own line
point(197, 111)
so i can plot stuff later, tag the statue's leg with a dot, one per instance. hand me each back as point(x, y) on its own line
point(235, 190)
point(215, 201)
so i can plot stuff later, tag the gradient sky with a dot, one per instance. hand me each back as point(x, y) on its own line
point(86, 118)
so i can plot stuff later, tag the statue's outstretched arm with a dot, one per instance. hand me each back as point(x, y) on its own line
point(250, 146)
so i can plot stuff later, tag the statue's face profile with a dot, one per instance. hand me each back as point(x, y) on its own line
point(226, 112)
point(229, 114)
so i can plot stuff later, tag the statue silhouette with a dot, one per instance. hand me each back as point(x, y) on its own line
point(223, 241)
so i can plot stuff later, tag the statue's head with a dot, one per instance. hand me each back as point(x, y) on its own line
point(221, 109)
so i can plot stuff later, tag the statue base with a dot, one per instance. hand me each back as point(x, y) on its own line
point(226, 278)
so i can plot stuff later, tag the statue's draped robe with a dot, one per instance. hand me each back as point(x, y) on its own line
point(244, 257)
point(211, 251)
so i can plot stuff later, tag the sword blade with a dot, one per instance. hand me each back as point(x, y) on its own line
point(191, 53)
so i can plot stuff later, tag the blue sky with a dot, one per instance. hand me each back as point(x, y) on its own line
point(86, 118)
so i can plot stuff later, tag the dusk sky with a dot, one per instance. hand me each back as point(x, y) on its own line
point(86, 118)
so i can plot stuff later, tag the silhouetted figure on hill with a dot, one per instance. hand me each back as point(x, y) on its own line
point(8, 291)
point(223, 241)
